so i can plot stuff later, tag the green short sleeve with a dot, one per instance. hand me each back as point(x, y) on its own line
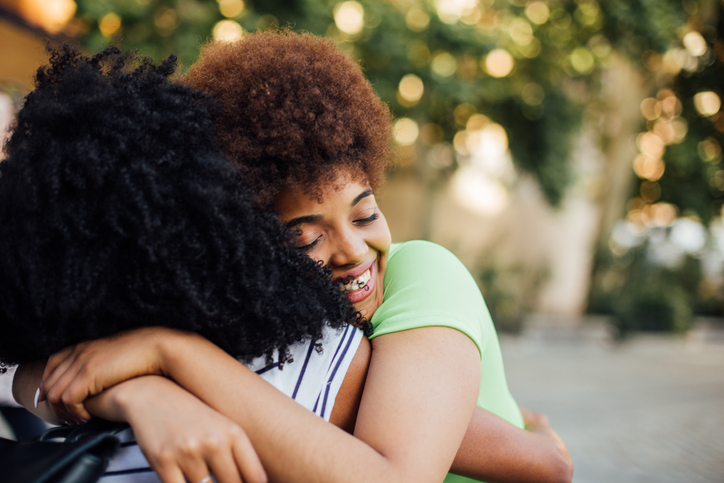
point(424, 286)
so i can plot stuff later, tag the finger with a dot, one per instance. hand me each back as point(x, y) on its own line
point(223, 466)
point(62, 362)
point(50, 373)
point(194, 467)
point(247, 460)
point(168, 473)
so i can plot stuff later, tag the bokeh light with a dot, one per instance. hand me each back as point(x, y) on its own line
point(650, 144)
point(695, 43)
point(474, 190)
point(710, 150)
point(520, 31)
point(707, 103)
point(451, 11)
point(411, 89)
point(582, 60)
point(51, 15)
point(651, 169)
point(537, 12)
point(109, 24)
point(405, 131)
point(499, 63)
point(417, 19)
point(227, 31)
point(443, 64)
point(650, 108)
point(349, 17)
point(231, 8)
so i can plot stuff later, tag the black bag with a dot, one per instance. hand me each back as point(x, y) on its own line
point(81, 455)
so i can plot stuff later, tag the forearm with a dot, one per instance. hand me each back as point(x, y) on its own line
point(496, 451)
point(292, 443)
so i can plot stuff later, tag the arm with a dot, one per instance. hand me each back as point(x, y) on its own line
point(406, 384)
point(179, 434)
point(496, 451)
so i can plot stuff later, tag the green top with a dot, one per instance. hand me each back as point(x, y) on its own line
point(425, 285)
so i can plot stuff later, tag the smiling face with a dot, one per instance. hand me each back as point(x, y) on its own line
point(347, 232)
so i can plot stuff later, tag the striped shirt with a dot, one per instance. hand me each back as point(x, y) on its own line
point(312, 379)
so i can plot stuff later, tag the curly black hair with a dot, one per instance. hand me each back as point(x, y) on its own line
point(119, 210)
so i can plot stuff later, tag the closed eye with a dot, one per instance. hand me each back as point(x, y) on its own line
point(368, 220)
point(306, 248)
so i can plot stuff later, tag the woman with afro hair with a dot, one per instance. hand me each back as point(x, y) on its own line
point(119, 211)
point(307, 133)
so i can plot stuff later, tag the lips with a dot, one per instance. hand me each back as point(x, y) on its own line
point(359, 284)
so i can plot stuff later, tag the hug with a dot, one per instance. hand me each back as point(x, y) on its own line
point(161, 235)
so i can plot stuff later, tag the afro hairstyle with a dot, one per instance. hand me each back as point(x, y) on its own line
point(119, 210)
point(294, 111)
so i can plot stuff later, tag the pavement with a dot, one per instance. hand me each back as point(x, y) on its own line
point(650, 409)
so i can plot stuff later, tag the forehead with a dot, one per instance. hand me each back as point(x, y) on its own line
point(293, 202)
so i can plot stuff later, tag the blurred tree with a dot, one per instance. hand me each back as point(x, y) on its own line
point(679, 189)
point(528, 65)
point(530, 72)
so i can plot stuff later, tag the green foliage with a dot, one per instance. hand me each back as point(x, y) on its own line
point(510, 292)
point(571, 44)
point(644, 296)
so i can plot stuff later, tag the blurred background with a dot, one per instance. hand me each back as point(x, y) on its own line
point(569, 152)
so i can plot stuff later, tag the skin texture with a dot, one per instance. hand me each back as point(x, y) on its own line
point(346, 231)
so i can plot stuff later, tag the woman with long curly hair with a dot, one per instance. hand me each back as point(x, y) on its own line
point(120, 211)
point(308, 134)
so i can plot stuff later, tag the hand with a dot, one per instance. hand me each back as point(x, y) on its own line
point(181, 436)
point(533, 419)
point(84, 370)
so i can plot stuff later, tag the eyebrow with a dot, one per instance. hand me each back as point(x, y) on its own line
point(302, 219)
point(361, 196)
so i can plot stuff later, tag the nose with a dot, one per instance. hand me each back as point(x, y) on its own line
point(349, 249)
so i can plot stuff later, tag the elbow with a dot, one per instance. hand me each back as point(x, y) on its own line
point(561, 470)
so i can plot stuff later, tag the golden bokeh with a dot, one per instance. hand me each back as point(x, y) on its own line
point(650, 108)
point(417, 19)
point(227, 31)
point(695, 44)
point(520, 31)
point(405, 131)
point(651, 169)
point(109, 24)
point(349, 17)
point(231, 8)
point(707, 103)
point(537, 12)
point(444, 64)
point(499, 63)
point(411, 89)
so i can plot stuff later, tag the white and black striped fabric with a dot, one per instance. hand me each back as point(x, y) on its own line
point(313, 380)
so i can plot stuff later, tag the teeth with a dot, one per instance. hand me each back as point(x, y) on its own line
point(356, 284)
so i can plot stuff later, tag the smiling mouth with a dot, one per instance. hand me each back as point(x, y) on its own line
point(356, 284)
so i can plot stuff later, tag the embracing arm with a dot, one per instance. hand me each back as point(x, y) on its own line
point(496, 451)
point(406, 384)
